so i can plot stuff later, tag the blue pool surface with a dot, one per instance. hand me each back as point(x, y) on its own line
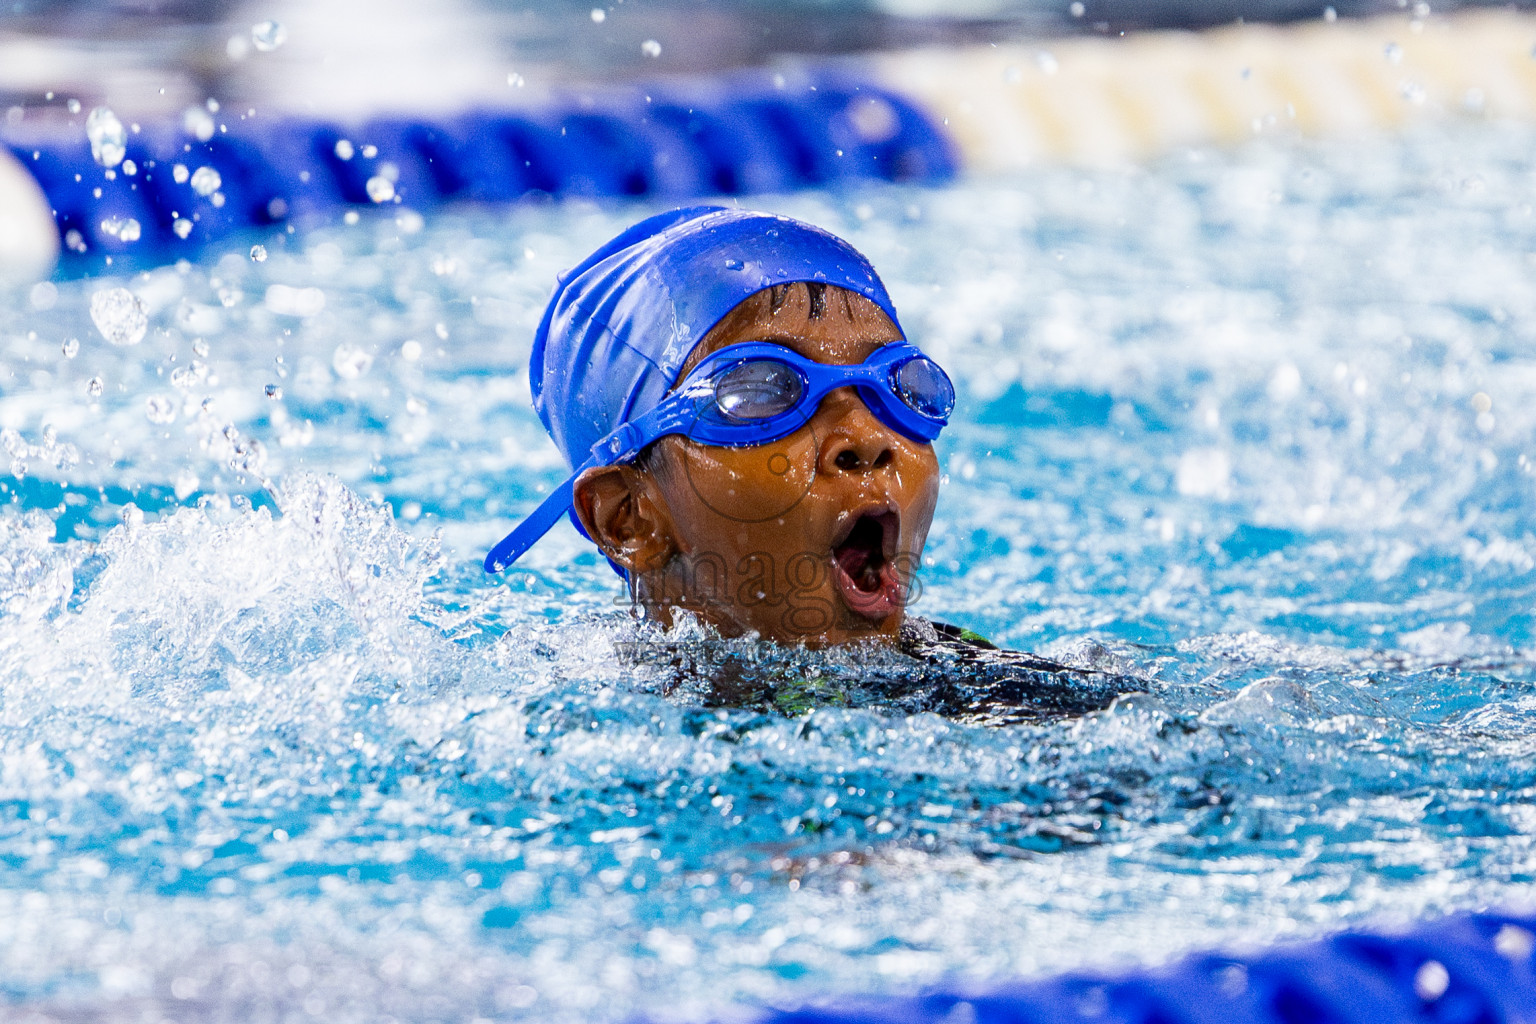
point(1256, 427)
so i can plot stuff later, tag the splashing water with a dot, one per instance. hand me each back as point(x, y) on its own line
point(1254, 428)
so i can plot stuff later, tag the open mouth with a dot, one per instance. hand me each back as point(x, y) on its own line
point(865, 574)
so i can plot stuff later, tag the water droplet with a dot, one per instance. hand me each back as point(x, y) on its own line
point(93, 387)
point(198, 123)
point(160, 409)
point(733, 264)
point(179, 174)
point(1329, 14)
point(182, 227)
point(599, 15)
point(411, 350)
point(344, 150)
point(200, 347)
point(1514, 942)
point(126, 229)
point(1077, 9)
point(1431, 980)
point(1046, 61)
point(258, 254)
point(651, 48)
point(130, 168)
point(415, 406)
point(119, 316)
point(274, 392)
point(70, 348)
point(380, 189)
point(514, 79)
point(268, 35)
point(109, 139)
point(1393, 53)
point(74, 106)
point(206, 181)
point(350, 362)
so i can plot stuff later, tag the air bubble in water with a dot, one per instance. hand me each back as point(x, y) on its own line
point(93, 387)
point(274, 392)
point(599, 15)
point(514, 79)
point(411, 350)
point(182, 227)
point(1329, 14)
point(160, 409)
point(119, 316)
point(74, 106)
point(651, 48)
point(380, 189)
point(350, 362)
point(71, 347)
point(109, 139)
point(268, 35)
point(1393, 53)
point(344, 150)
point(258, 254)
point(206, 181)
point(1077, 9)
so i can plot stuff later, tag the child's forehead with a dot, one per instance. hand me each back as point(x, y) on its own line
point(844, 327)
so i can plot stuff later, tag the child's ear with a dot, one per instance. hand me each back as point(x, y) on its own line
point(620, 510)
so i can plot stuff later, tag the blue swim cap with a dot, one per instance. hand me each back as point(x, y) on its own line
point(621, 323)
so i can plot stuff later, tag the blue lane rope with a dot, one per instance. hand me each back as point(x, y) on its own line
point(1470, 969)
point(730, 136)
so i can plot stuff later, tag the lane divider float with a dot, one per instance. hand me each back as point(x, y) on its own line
point(164, 191)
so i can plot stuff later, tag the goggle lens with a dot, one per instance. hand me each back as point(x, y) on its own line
point(925, 388)
point(757, 389)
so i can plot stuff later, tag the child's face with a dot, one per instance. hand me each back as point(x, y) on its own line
point(815, 537)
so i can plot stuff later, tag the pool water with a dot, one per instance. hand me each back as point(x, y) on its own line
point(1254, 427)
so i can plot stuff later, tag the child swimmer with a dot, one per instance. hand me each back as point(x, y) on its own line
point(751, 441)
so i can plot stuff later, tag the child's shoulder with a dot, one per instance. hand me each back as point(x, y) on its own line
point(994, 685)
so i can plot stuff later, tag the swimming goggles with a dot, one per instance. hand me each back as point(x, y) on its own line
point(752, 393)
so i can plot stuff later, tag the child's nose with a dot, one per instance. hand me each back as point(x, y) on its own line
point(853, 438)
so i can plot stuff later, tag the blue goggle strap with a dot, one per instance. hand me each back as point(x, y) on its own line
point(527, 532)
point(620, 445)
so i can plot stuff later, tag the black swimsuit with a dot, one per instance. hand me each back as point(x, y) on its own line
point(934, 668)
